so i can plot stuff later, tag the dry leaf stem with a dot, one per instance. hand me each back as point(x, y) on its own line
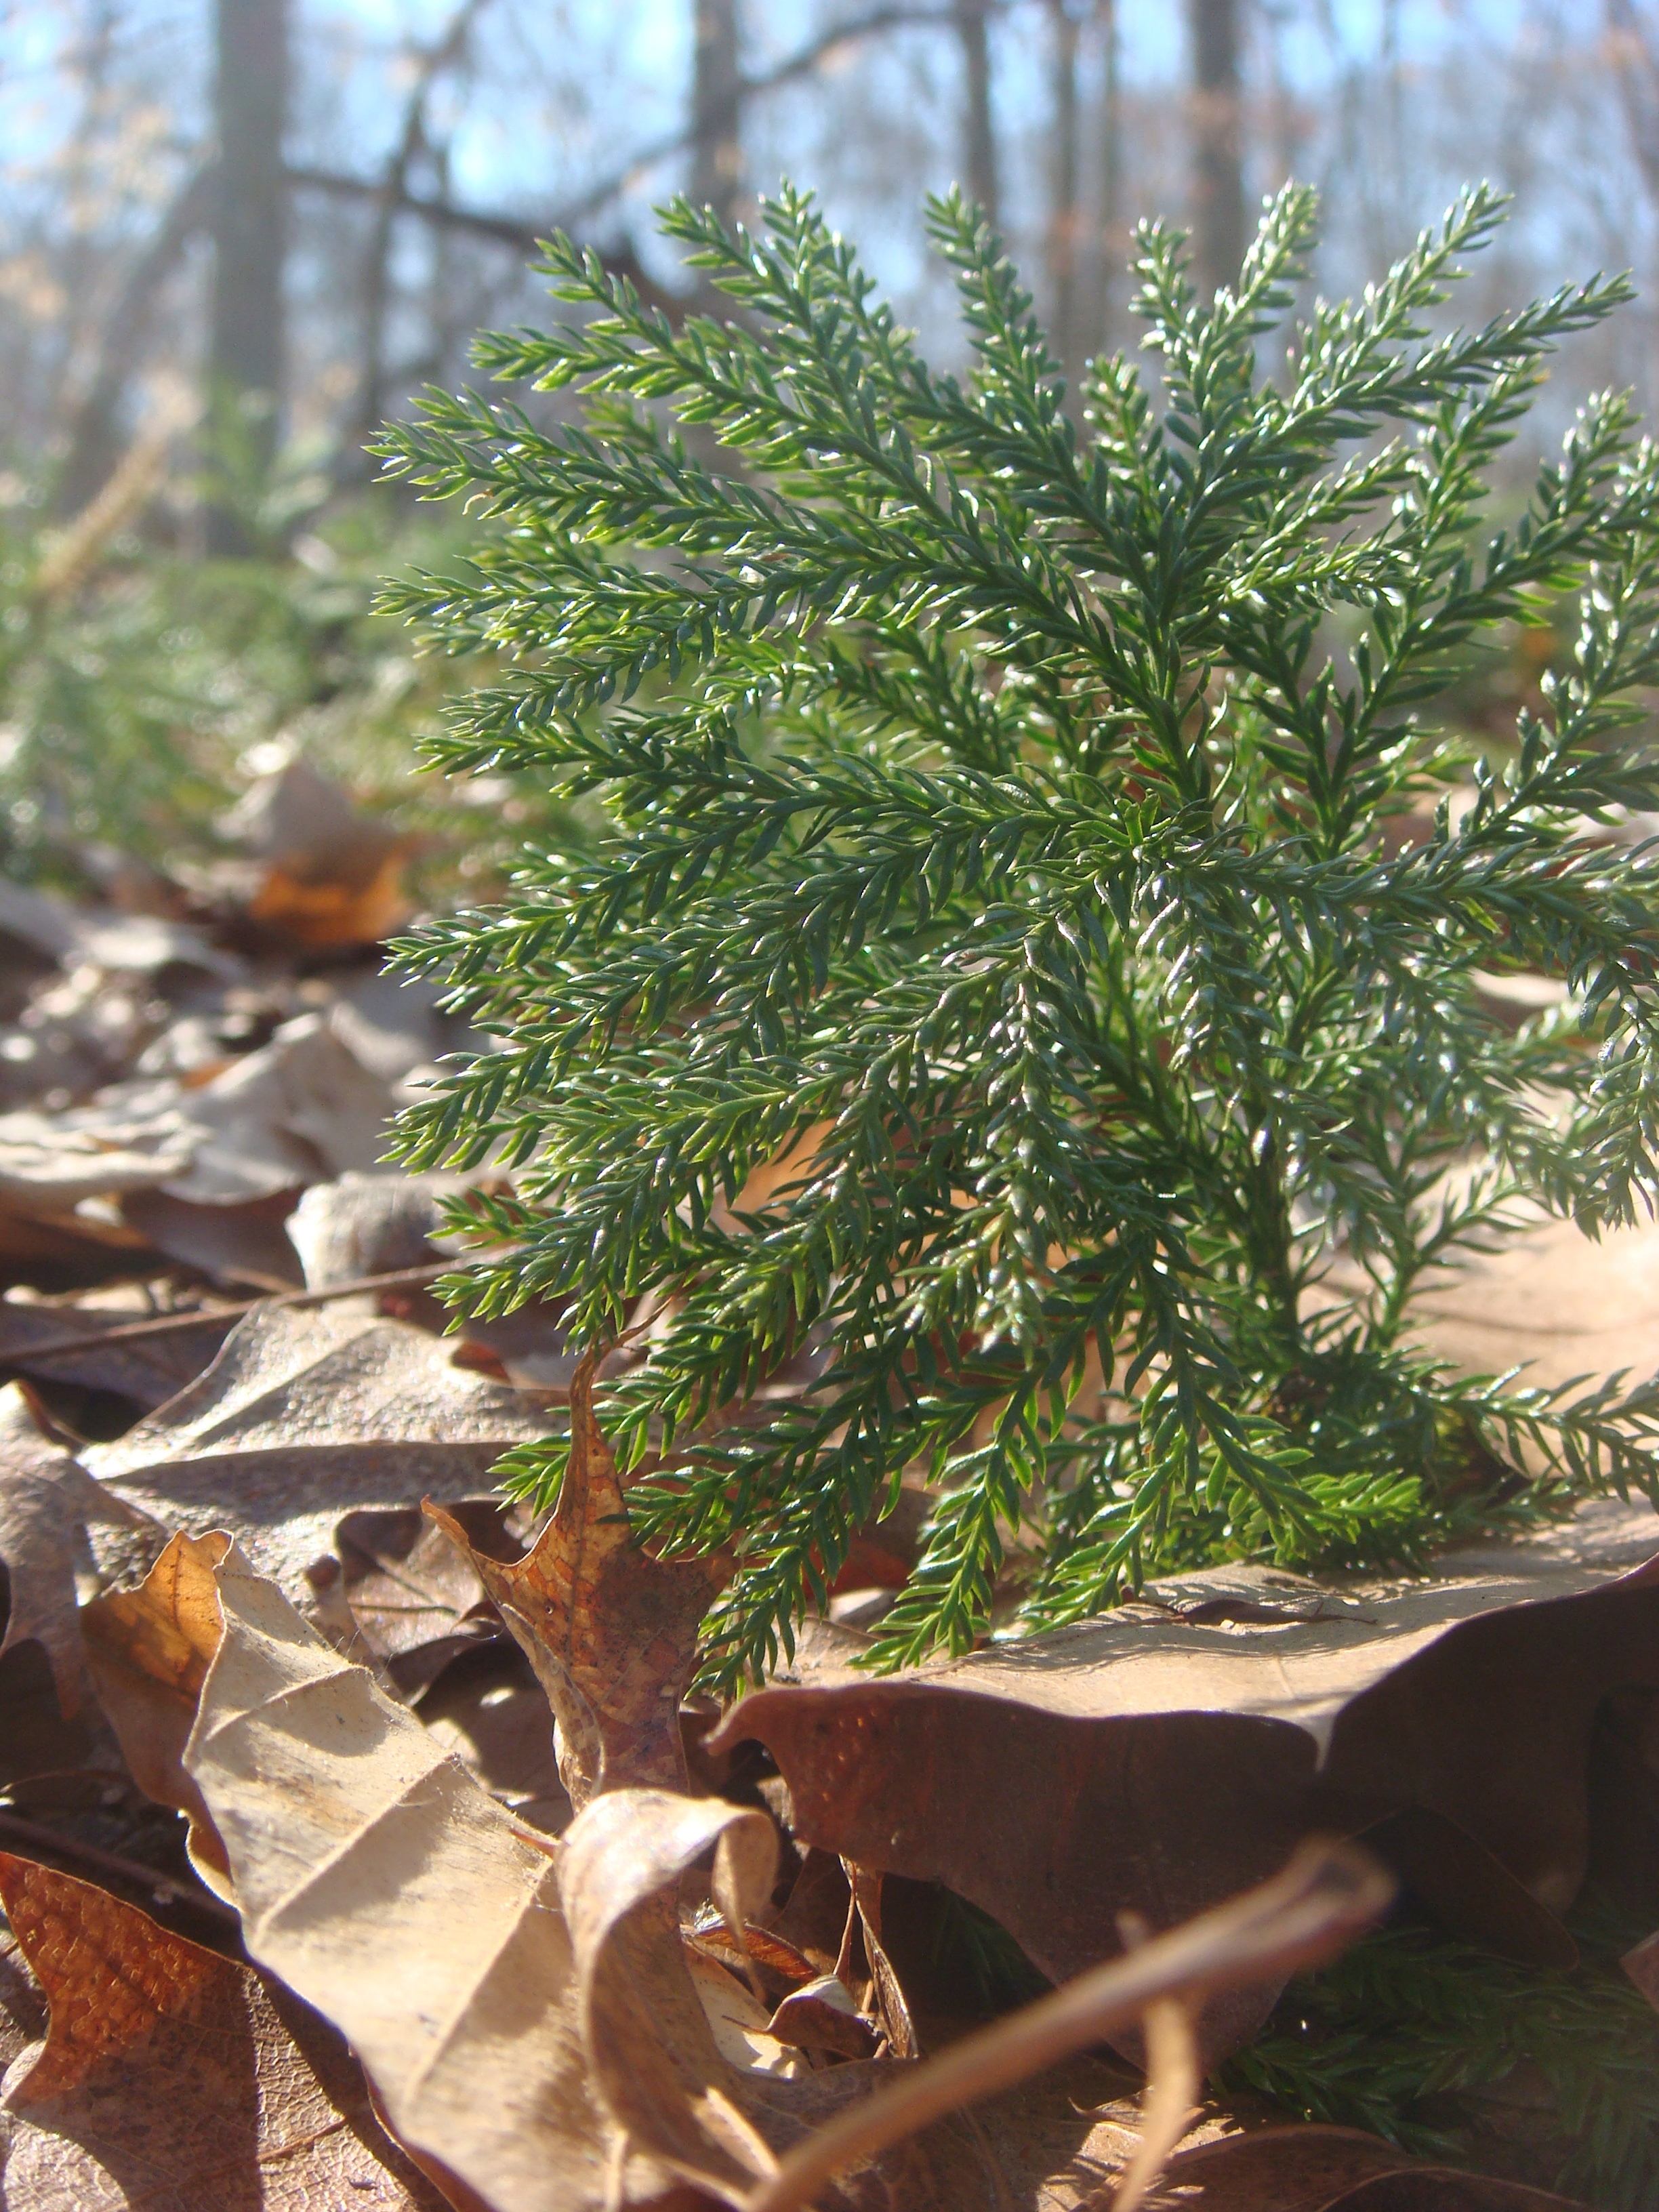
point(1328, 1894)
point(164, 1888)
point(168, 1324)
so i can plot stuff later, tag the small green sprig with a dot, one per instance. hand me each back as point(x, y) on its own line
point(995, 816)
point(1408, 2033)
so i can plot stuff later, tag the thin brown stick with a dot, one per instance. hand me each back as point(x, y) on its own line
point(172, 1324)
point(1328, 1894)
point(41, 1837)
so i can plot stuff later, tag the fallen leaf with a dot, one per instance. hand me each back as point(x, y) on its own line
point(378, 1880)
point(323, 916)
point(611, 1633)
point(48, 1504)
point(655, 2064)
point(1148, 1763)
point(821, 2015)
point(22, 2005)
point(365, 1224)
point(1554, 1301)
point(307, 1414)
point(330, 876)
point(296, 1111)
point(240, 1241)
point(396, 1026)
point(414, 1602)
point(173, 2078)
point(148, 1651)
point(1319, 2169)
point(487, 1710)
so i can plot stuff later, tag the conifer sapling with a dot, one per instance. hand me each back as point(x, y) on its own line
point(995, 837)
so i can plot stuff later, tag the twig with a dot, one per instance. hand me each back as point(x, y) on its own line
point(174, 1324)
point(162, 1887)
point(1328, 1894)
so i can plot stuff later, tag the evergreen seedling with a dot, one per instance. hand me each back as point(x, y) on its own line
point(998, 836)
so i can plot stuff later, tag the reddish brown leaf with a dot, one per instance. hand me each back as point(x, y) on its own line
point(1150, 1764)
point(611, 1633)
point(173, 2079)
point(1315, 2169)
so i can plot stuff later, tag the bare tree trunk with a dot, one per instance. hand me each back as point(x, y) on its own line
point(1111, 180)
point(447, 52)
point(716, 110)
point(1065, 215)
point(980, 145)
point(1218, 174)
point(95, 434)
point(250, 230)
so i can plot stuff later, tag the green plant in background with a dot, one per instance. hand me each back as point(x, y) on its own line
point(988, 824)
point(1416, 2037)
point(135, 682)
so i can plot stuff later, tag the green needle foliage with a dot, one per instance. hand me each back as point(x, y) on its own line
point(995, 815)
point(1419, 2039)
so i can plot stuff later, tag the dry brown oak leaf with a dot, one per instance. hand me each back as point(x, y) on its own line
point(1320, 2169)
point(306, 1415)
point(377, 1880)
point(380, 1884)
point(49, 1505)
point(1160, 1758)
point(177, 2080)
point(149, 1650)
point(611, 1633)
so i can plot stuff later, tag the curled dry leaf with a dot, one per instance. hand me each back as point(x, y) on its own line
point(148, 1651)
point(1150, 1762)
point(655, 2065)
point(306, 1414)
point(1328, 1894)
point(378, 1880)
point(171, 2078)
point(611, 1633)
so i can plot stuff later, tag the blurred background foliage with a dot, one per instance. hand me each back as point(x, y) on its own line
point(238, 234)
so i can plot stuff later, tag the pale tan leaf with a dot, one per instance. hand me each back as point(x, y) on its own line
point(655, 2062)
point(377, 1880)
point(306, 1415)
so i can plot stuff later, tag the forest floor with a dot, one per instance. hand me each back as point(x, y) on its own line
point(1343, 1882)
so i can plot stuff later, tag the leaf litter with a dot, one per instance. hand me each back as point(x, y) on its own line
point(207, 1519)
point(170, 2078)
